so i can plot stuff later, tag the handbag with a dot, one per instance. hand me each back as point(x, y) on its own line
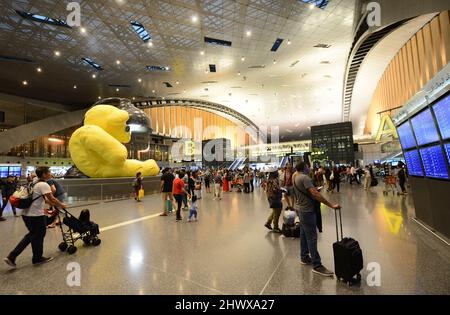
point(141, 193)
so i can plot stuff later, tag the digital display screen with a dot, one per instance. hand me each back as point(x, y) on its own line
point(442, 113)
point(413, 163)
point(447, 149)
point(424, 128)
point(434, 162)
point(406, 136)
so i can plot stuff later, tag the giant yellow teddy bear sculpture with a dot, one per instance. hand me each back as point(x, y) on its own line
point(97, 149)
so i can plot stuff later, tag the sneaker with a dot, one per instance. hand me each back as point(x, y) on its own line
point(321, 270)
point(10, 262)
point(2, 219)
point(267, 225)
point(189, 220)
point(163, 214)
point(306, 261)
point(43, 260)
point(179, 219)
point(277, 230)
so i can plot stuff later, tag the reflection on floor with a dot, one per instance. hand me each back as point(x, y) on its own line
point(228, 251)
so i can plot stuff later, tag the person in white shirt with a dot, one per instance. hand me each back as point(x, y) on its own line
point(35, 220)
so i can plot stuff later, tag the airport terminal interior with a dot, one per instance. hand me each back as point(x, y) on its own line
point(225, 147)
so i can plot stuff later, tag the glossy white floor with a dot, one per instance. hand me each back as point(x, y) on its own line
point(228, 251)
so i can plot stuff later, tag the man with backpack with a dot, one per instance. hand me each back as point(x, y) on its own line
point(35, 219)
point(8, 189)
point(305, 193)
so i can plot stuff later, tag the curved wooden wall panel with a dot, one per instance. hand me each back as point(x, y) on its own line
point(423, 56)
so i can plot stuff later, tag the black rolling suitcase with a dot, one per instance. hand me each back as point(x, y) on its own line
point(348, 258)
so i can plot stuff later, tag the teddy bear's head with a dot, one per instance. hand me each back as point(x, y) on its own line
point(111, 119)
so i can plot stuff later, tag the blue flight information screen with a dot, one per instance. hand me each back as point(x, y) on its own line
point(412, 160)
point(406, 136)
point(424, 128)
point(434, 162)
point(442, 113)
point(447, 149)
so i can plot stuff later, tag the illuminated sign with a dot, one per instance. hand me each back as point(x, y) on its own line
point(386, 128)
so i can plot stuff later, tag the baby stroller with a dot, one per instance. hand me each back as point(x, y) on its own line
point(81, 228)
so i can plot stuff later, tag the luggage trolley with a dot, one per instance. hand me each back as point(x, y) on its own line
point(78, 228)
point(390, 183)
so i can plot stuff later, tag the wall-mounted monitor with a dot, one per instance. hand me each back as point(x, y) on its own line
point(434, 162)
point(447, 150)
point(442, 113)
point(406, 136)
point(413, 163)
point(424, 128)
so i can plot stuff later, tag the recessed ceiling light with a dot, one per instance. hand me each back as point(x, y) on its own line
point(99, 97)
point(118, 62)
point(25, 82)
point(117, 90)
point(184, 91)
point(311, 6)
point(288, 42)
point(39, 69)
point(150, 44)
point(75, 87)
point(139, 80)
point(57, 53)
point(243, 59)
point(94, 76)
point(194, 18)
point(239, 73)
point(134, 98)
point(83, 30)
point(202, 53)
point(153, 91)
point(248, 33)
point(178, 82)
point(274, 61)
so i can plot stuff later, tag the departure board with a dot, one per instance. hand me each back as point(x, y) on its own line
point(447, 149)
point(424, 128)
point(442, 113)
point(406, 136)
point(413, 163)
point(434, 162)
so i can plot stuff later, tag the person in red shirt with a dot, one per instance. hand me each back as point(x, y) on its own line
point(178, 193)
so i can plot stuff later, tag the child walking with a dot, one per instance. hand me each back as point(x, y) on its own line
point(194, 208)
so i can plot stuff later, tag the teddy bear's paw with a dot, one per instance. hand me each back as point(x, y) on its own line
point(151, 168)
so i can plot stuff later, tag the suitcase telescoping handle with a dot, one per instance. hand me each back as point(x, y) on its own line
point(340, 223)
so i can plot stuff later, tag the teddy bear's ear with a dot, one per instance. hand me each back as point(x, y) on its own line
point(118, 117)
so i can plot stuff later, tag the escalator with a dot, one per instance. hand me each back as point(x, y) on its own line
point(283, 161)
point(232, 166)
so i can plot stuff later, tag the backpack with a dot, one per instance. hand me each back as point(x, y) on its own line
point(23, 197)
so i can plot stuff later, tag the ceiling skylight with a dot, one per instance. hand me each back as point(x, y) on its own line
point(321, 4)
point(158, 68)
point(92, 63)
point(42, 19)
point(140, 30)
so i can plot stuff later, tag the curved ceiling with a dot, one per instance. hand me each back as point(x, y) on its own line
point(374, 65)
point(299, 86)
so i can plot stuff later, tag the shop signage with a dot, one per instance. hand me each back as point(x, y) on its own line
point(386, 128)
